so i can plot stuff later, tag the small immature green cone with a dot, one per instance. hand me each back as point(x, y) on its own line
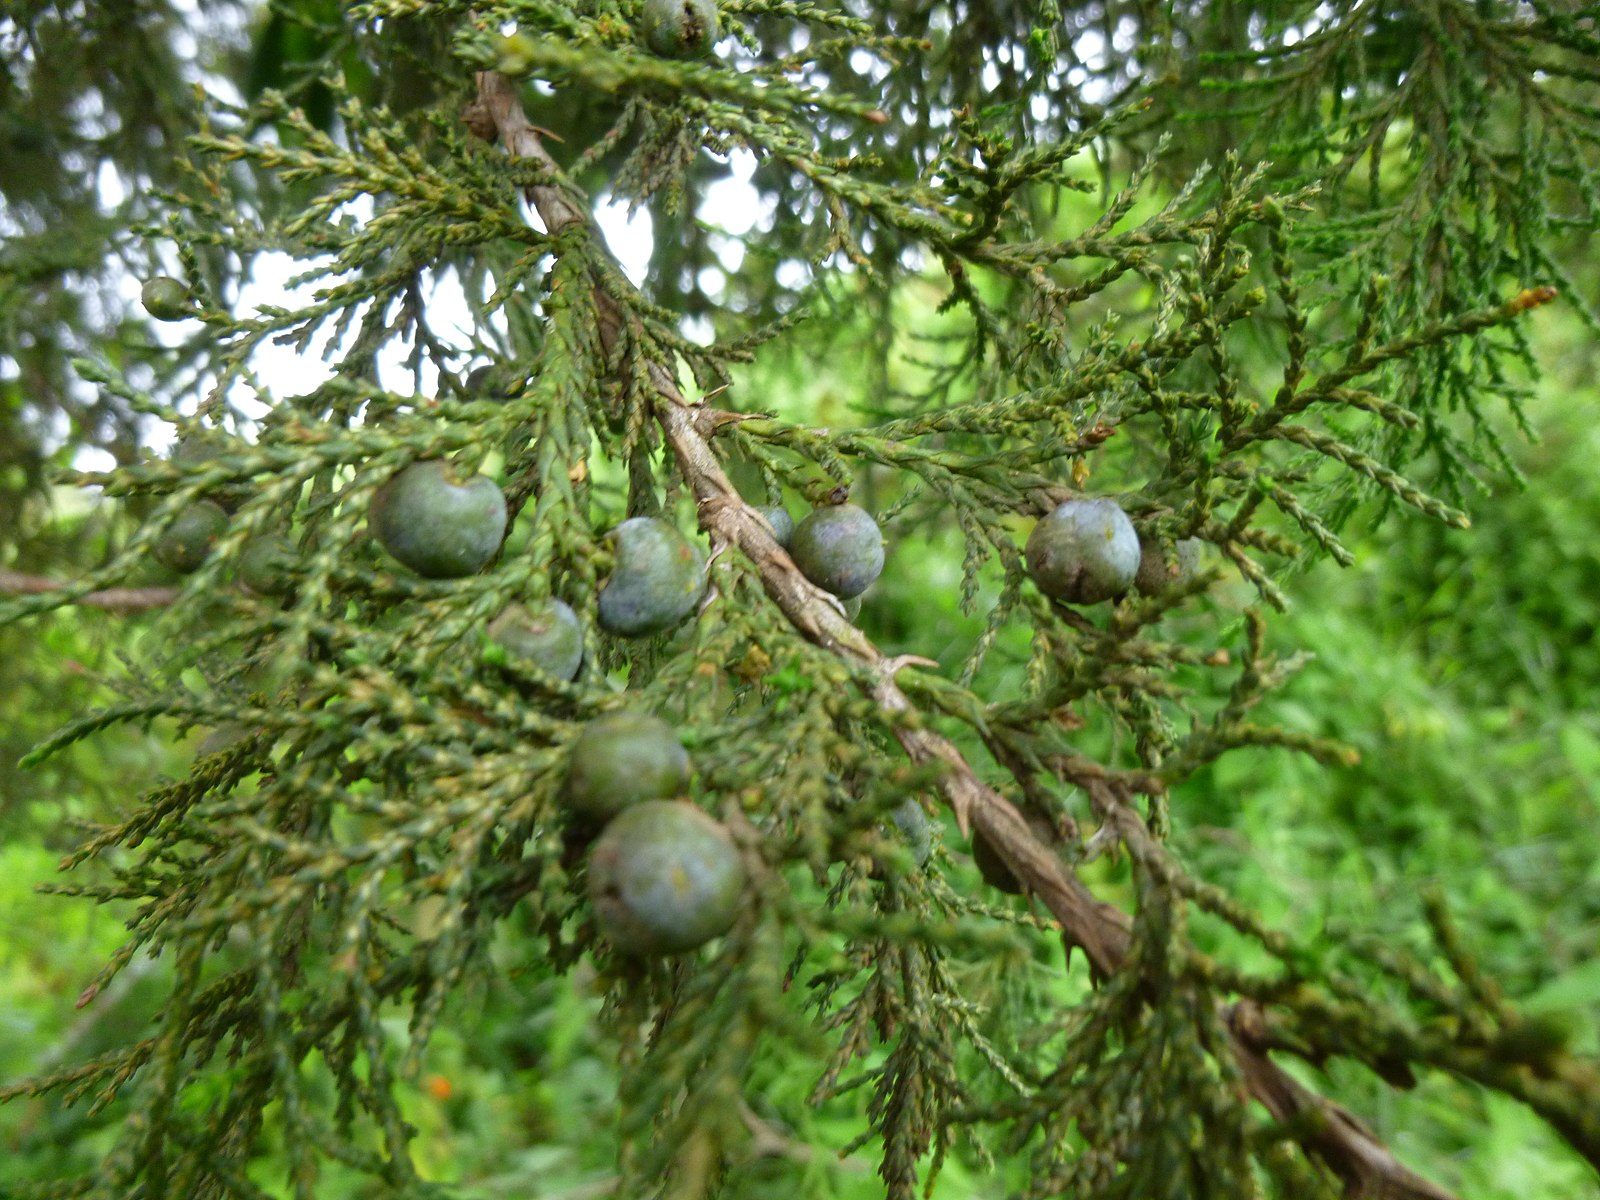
point(548, 636)
point(166, 298)
point(680, 28)
point(664, 878)
point(622, 759)
point(1084, 552)
point(203, 446)
point(438, 526)
point(268, 564)
point(188, 540)
point(488, 381)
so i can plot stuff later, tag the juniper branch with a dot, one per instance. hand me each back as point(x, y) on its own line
point(1100, 929)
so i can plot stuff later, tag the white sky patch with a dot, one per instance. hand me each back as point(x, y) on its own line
point(1090, 47)
point(792, 274)
point(110, 186)
point(712, 280)
point(733, 204)
point(729, 252)
point(632, 238)
point(699, 330)
point(287, 371)
point(870, 65)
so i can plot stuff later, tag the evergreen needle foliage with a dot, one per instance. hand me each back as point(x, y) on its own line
point(1314, 234)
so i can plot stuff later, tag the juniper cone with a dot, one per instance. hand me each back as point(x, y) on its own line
point(912, 822)
point(1277, 276)
point(547, 636)
point(439, 525)
point(1083, 552)
point(187, 542)
point(1155, 574)
point(996, 873)
point(621, 759)
point(664, 878)
point(839, 548)
point(656, 581)
point(490, 381)
point(782, 524)
point(167, 299)
point(205, 446)
point(680, 28)
point(268, 564)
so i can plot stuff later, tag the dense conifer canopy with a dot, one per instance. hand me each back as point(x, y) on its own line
point(1258, 274)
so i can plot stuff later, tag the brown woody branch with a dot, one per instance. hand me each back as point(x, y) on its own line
point(1101, 930)
point(121, 600)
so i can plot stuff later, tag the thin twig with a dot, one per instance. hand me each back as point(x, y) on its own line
point(123, 600)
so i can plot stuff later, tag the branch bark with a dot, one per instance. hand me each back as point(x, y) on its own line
point(121, 600)
point(1101, 930)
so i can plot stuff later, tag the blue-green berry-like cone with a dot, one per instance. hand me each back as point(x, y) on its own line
point(680, 28)
point(1084, 552)
point(438, 526)
point(839, 548)
point(547, 636)
point(656, 581)
point(184, 544)
point(782, 523)
point(912, 822)
point(623, 759)
point(1155, 575)
point(268, 565)
point(664, 878)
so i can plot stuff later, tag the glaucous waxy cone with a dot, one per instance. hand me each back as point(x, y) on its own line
point(1084, 552)
point(621, 759)
point(439, 526)
point(838, 548)
point(547, 636)
point(656, 581)
point(664, 878)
